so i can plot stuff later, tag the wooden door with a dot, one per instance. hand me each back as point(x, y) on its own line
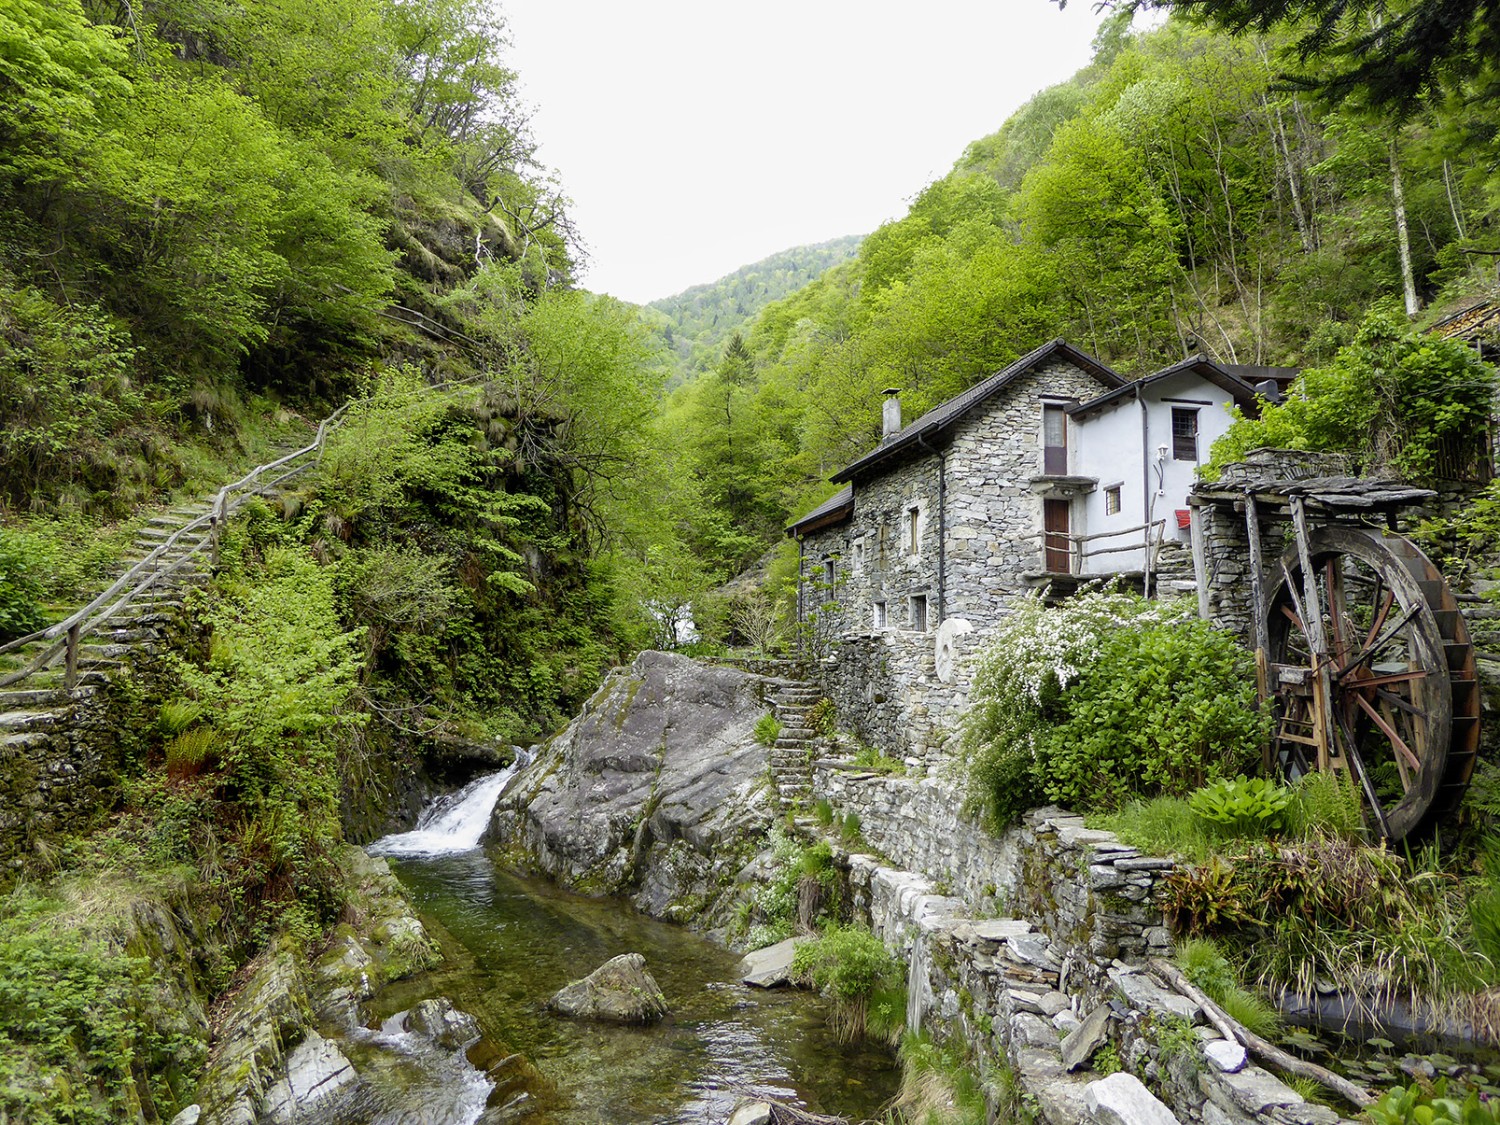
point(1058, 550)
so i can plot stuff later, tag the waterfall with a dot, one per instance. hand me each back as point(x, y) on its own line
point(454, 822)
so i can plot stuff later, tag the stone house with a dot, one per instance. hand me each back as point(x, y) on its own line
point(1003, 488)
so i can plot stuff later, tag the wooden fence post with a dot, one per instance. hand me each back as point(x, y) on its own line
point(70, 676)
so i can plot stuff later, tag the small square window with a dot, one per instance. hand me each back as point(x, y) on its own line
point(880, 618)
point(1184, 434)
point(919, 613)
point(1112, 501)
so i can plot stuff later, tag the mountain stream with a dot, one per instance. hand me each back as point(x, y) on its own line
point(509, 943)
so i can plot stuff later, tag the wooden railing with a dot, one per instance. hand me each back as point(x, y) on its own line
point(68, 634)
point(1079, 551)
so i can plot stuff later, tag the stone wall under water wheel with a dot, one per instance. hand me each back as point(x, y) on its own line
point(1034, 947)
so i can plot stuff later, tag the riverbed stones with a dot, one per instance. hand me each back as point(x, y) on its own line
point(438, 1020)
point(751, 1113)
point(618, 991)
point(769, 967)
point(1122, 1099)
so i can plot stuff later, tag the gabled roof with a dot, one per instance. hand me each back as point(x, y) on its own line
point(1222, 376)
point(942, 417)
point(837, 507)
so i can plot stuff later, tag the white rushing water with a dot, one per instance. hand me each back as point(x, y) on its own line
point(453, 823)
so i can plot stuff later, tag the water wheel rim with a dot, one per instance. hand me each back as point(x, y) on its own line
point(1390, 693)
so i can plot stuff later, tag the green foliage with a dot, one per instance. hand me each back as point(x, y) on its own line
point(1105, 698)
point(823, 812)
point(1107, 1060)
point(1202, 961)
point(852, 967)
point(277, 683)
point(823, 718)
point(76, 1023)
point(849, 829)
point(767, 730)
point(1392, 399)
point(1243, 806)
point(1328, 804)
point(799, 892)
point(696, 322)
point(939, 1088)
point(1420, 1105)
point(20, 590)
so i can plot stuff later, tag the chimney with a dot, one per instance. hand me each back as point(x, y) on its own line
point(890, 414)
point(1269, 390)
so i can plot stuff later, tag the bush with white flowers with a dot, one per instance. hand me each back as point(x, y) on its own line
point(1103, 698)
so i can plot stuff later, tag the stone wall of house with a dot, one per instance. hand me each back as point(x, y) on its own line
point(993, 515)
point(977, 524)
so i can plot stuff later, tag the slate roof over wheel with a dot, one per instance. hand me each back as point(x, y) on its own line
point(942, 417)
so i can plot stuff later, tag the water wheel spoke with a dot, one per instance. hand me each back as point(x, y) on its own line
point(1356, 765)
point(1338, 610)
point(1397, 742)
point(1294, 617)
point(1381, 613)
point(1401, 764)
point(1382, 679)
point(1371, 651)
point(1391, 699)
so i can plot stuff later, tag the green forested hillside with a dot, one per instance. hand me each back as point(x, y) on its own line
point(699, 320)
point(1173, 197)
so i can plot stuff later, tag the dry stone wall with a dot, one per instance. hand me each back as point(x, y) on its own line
point(1065, 968)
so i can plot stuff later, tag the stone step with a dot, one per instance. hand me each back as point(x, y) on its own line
point(95, 653)
point(25, 699)
point(21, 721)
point(25, 741)
point(53, 678)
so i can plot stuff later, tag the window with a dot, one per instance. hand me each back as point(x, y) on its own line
point(1112, 500)
point(1184, 434)
point(880, 618)
point(919, 613)
point(830, 571)
point(859, 555)
point(1054, 441)
point(913, 530)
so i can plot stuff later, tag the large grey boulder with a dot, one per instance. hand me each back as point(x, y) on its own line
point(618, 991)
point(656, 790)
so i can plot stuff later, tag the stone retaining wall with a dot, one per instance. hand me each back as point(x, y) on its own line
point(1067, 971)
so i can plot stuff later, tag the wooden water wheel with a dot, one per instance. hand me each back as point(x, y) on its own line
point(1369, 669)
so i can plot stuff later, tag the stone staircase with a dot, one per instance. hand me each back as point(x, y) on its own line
point(791, 756)
point(41, 708)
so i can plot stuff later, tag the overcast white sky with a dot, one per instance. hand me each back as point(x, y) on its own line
point(697, 136)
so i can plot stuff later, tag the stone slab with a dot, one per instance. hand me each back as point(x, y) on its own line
point(1141, 992)
point(1081, 1043)
point(1252, 1090)
point(769, 967)
point(1122, 1099)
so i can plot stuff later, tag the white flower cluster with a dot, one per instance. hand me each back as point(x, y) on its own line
point(1043, 646)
